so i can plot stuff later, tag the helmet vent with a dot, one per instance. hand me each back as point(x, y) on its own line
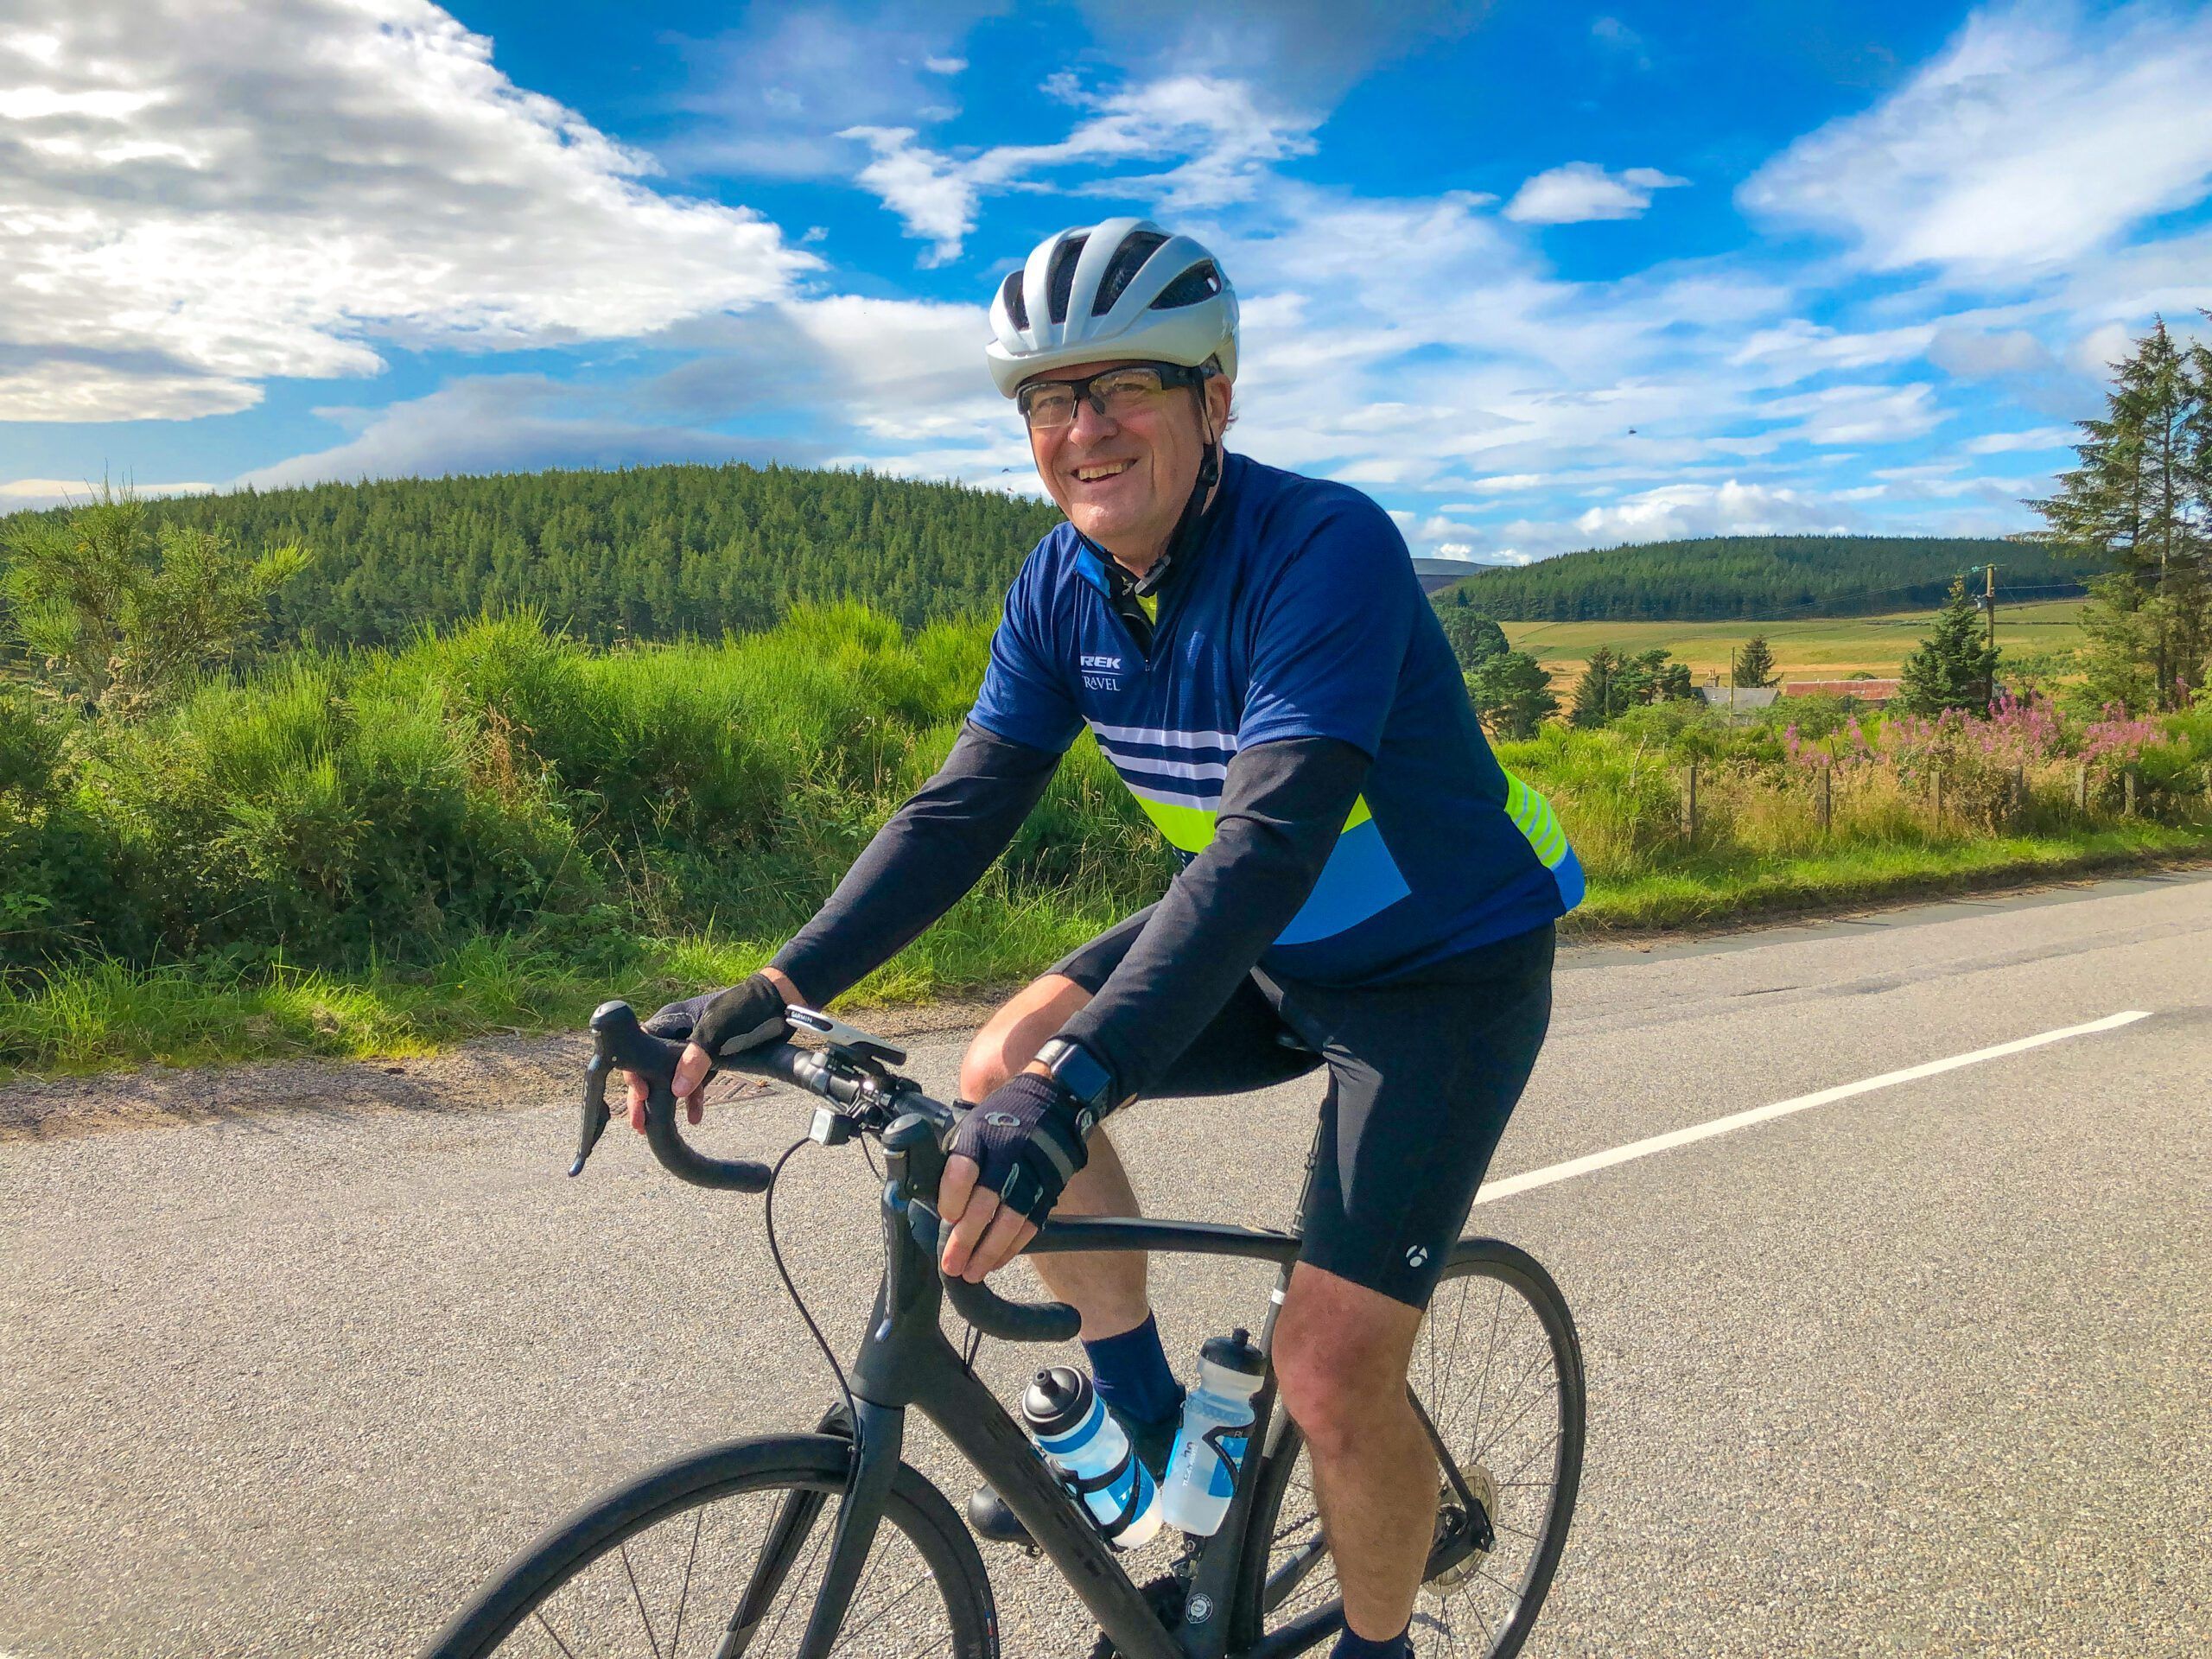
point(1059, 278)
point(1129, 259)
point(1017, 303)
point(1200, 282)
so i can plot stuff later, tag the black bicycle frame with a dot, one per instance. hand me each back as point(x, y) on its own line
point(905, 1361)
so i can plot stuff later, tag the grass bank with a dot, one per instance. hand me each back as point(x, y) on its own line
point(378, 853)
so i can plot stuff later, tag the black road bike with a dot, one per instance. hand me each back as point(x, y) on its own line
point(828, 1543)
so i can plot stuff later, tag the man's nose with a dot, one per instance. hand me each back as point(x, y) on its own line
point(1090, 426)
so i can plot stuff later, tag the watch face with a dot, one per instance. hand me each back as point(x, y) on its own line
point(1075, 1070)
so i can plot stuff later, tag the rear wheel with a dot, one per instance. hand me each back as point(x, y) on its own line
point(722, 1553)
point(1498, 1372)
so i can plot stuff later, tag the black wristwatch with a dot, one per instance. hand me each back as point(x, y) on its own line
point(1077, 1069)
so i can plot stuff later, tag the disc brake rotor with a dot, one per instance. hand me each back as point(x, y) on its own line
point(1484, 1485)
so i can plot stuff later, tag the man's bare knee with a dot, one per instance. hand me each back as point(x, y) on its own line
point(1011, 1038)
point(1340, 1352)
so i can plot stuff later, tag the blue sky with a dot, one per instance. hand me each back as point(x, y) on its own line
point(1536, 278)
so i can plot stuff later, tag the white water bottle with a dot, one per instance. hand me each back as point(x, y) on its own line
point(1216, 1430)
point(1072, 1426)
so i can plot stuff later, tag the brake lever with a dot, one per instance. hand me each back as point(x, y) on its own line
point(595, 1115)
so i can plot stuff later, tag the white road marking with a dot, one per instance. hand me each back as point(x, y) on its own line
point(1493, 1191)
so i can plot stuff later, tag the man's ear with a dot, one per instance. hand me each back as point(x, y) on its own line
point(1220, 397)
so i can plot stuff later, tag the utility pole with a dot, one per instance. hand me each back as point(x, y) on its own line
point(1989, 614)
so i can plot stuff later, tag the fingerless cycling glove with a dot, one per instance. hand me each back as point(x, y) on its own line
point(726, 1023)
point(1028, 1138)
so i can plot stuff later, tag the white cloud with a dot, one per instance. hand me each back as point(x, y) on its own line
point(494, 423)
point(1225, 139)
point(1310, 52)
point(1674, 511)
point(1858, 414)
point(2040, 134)
point(2044, 437)
point(773, 93)
point(26, 495)
point(1796, 350)
point(906, 377)
point(196, 200)
point(1583, 190)
point(1978, 355)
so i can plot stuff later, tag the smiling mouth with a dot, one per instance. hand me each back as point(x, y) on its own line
point(1103, 470)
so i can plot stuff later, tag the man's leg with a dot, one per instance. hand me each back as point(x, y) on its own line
point(1340, 1357)
point(1107, 1287)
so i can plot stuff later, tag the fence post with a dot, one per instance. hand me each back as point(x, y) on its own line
point(1689, 803)
point(2127, 787)
point(1938, 775)
point(1827, 798)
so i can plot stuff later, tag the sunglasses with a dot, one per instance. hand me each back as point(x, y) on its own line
point(1113, 393)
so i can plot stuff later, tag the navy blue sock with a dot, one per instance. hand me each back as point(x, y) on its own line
point(1131, 1374)
point(1352, 1645)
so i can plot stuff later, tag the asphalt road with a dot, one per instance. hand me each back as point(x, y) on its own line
point(1925, 1371)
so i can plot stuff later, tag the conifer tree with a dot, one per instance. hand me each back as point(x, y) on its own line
point(1954, 667)
point(1753, 667)
point(2141, 500)
point(1599, 694)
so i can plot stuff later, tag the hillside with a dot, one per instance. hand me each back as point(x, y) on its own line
point(1722, 577)
point(651, 552)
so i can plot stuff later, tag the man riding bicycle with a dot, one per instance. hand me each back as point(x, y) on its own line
point(1363, 885)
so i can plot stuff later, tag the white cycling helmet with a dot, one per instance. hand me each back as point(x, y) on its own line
point(1123, 289)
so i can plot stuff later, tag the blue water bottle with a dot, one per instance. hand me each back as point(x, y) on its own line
point(1073, 1427)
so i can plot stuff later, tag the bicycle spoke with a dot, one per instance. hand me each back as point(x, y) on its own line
point(554, 1634)
point(683, 1597)
point(821, 1537)
point(638, 1597)
point(853, 1631)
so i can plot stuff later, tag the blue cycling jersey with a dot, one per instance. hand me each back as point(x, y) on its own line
point(1297, 616)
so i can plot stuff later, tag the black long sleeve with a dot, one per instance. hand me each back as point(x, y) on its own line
point(1283, 804)
point(923, 859)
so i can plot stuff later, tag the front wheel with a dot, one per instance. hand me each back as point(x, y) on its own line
point(721, 1553)
point(1497, 1370)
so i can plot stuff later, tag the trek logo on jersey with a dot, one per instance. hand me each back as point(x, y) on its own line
point(1102, 673)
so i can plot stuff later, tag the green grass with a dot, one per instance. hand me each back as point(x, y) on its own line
point(1703, 894)
point(99, 1016)
point(382, 852)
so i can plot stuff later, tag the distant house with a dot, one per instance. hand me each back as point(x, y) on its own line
point(1437, 575)
point(1748, 697)
point(1876, 692)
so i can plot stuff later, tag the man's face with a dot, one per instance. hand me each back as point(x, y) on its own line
point(1123, 482)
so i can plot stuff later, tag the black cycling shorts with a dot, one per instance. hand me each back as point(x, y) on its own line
point(1423, 1072)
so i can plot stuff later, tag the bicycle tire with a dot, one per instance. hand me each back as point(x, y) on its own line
point(809, 1472)
point(1284, 1555)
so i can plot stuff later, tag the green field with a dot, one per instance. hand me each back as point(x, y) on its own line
point(1813, 648)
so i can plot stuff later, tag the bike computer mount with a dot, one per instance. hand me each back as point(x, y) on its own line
point(848, 1044)
point(848, 1048)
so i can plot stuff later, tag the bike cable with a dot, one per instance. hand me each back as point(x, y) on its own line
point(776, 1256)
